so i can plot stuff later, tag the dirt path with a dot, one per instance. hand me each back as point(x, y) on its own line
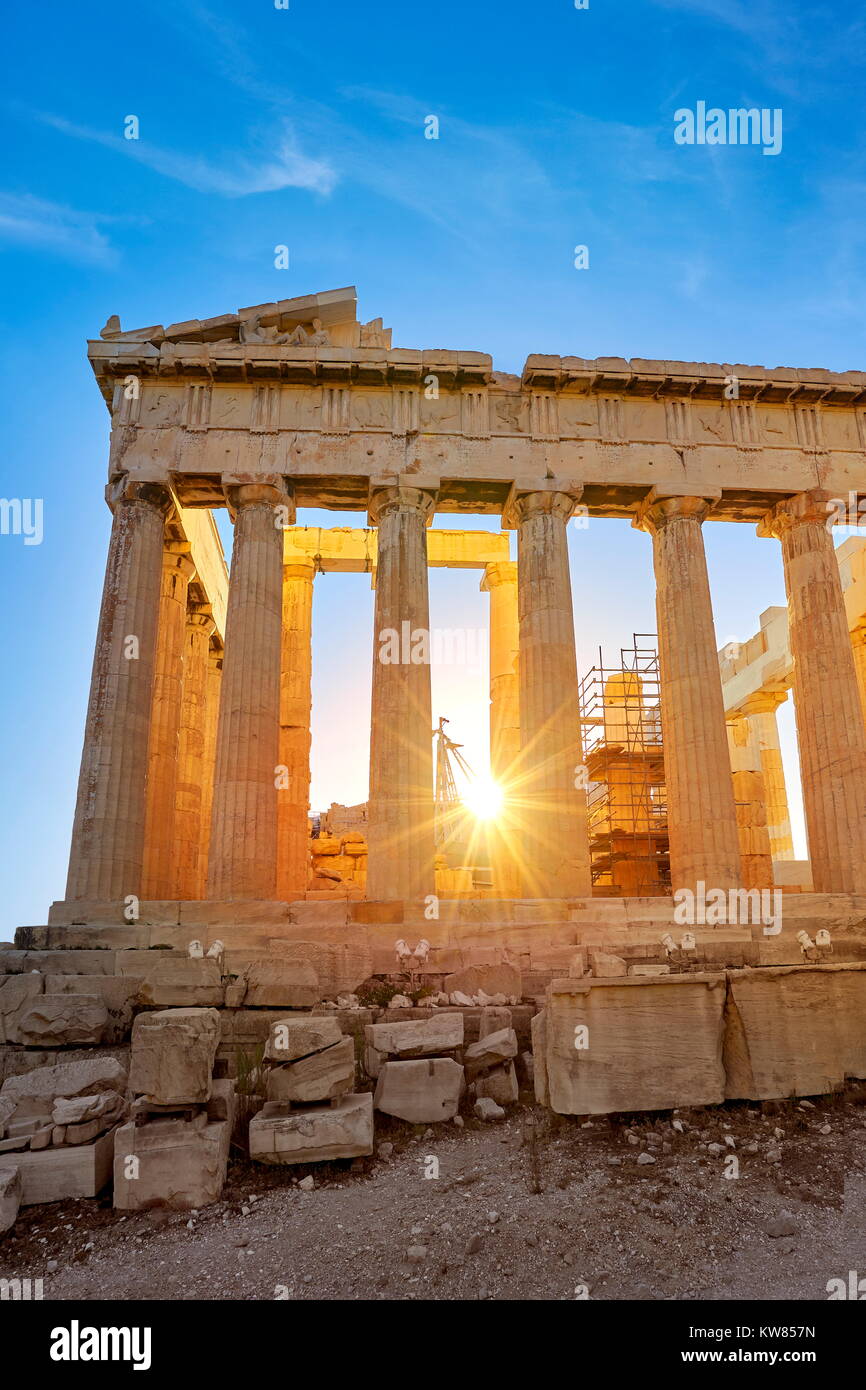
point(537, 1207)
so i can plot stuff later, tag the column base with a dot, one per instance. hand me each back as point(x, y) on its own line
point(523, 931)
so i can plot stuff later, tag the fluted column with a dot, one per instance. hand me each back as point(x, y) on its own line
point(702, 823)
point(830, 730)
point(213, 686)
point(759, 711)
point(750, 804)
point(400, 815)
point(500, 581)
point(858, 643)
point(159, 875)
point(108, 831)
point(191, 751)
point(243, 845)
point(554, 831)
point(293, 795)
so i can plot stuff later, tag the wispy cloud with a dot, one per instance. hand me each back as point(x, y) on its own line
point(798, 52)
point(54, 227)
point(282, 165)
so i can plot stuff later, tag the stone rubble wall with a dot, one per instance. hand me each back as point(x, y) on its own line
point(618, 1023)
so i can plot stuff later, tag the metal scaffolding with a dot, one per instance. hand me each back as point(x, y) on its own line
point(624, 761)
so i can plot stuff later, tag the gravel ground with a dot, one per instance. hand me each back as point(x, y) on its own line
point(536, 1207)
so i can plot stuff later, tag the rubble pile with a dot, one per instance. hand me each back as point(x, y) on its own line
point(56, 1125)
point(312, 1114)
point(489, 1064)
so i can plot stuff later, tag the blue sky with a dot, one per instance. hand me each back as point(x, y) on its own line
point(305, 127)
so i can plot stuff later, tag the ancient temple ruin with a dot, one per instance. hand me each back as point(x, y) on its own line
point(706, 953)
point(296, 404)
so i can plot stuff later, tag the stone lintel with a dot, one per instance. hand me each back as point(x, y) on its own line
point(352, 550)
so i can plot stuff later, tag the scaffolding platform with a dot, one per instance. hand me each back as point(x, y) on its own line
point(623, 756)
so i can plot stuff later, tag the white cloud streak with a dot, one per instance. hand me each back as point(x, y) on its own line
point(283, 166)
point(55, 227)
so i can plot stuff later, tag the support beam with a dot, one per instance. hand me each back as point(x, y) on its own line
point(293, 788)
point(105, 861)
point(554, 833)
point(400, 816)
point(243, 846)
point(830, 730)
point(159, 875)
point(702, 822)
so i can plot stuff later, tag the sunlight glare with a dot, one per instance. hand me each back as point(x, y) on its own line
point(483, 797)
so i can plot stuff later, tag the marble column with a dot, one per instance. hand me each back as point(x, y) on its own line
point(750, 803)
point(830, 730)
point(191, 752)
point(159, 874)
point(552, 802)
point(242, 862)
point(105, 861)
point(293, 793)
point(400, 815)
point(858, 643)
point(759, 712)
point(702, 822)
point(213, 686)
point(500, 581)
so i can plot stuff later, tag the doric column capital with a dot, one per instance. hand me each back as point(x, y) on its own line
point(200, 615)
point(127, 489)
point(270, 491)
point(660, 507)
point(299, 567)
point(404, 494)
point(814, 506)
point(540, 496)
point(177, 559)
point(762, 702)
point(498, 573)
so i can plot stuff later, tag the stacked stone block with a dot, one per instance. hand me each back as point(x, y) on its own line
point(490, 1062)
point(311, 1114)
point(417, 1066)
point(174, 1150)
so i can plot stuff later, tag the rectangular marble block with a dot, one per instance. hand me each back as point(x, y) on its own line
point(168, 1163)
point(342, 1130)
point(422, 1091)
point(634, 1044)
point(794, 1030)
point(58, 1175)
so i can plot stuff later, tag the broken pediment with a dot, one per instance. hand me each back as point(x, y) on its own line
point(328, 319)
